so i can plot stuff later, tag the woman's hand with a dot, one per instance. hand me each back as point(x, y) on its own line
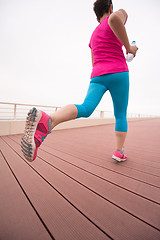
point(132, 50)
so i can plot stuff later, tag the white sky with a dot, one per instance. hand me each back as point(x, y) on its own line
point(45, 58)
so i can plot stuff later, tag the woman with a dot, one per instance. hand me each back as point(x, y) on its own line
point(110, 72)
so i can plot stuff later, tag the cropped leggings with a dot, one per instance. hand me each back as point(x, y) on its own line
point(118, 86)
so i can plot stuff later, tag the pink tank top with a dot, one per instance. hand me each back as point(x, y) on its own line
point(108, 56)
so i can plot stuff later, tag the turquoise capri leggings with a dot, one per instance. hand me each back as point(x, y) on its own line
point(118, 86)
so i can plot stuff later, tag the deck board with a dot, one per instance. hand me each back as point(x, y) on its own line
point(58, 214)
point(81, 193)
point(105, 189)
point(133, 185)
point(17, 215)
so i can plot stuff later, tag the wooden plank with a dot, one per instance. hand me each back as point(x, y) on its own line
point(18, 220)
point(62, 219)
point(133, 185)
point(106, 161)
point(101, 140)
point(95, 207)
point(105, 155)
point(141, 172)
point(102, 135)
point(130, 202)
point(124, 181)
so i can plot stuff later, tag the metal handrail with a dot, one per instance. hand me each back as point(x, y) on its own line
point(13, 110)
point(55, 108)
point(23, 104)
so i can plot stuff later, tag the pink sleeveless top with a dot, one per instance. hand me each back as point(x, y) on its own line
point(108, 56)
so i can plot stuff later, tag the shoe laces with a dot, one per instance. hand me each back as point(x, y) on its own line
point(122, 152)
point(43, 137)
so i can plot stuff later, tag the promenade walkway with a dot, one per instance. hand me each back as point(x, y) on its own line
point(75, 191)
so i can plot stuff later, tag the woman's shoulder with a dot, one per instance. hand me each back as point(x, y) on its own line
point(118, 15)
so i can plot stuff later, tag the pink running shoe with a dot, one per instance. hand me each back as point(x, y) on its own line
point(38, 126)
point(119, 156)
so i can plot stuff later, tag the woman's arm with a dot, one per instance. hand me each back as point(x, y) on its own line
point(116, 22)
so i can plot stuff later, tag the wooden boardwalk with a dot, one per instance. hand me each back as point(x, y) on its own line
point(75, 191)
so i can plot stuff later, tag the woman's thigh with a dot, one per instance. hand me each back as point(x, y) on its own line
point(119, 90)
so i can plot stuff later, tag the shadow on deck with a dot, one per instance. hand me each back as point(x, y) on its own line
point(75, 191)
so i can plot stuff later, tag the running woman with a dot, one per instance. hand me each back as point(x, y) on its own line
point(110, 72)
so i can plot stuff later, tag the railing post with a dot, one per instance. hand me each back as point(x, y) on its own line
point(101, 114)
point(15, 106)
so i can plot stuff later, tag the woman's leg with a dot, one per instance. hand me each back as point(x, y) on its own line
point(120, 139)
point(119, 89)
point(66, 113)
point(70, 112)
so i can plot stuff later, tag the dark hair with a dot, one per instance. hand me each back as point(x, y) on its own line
point(100, 7)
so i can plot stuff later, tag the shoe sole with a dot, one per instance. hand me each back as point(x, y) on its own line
point(118, 159)
point(28, 145)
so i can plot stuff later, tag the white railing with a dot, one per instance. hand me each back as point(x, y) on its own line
point(18, 111)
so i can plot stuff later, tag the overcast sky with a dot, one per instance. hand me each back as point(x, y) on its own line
point(45, 58)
